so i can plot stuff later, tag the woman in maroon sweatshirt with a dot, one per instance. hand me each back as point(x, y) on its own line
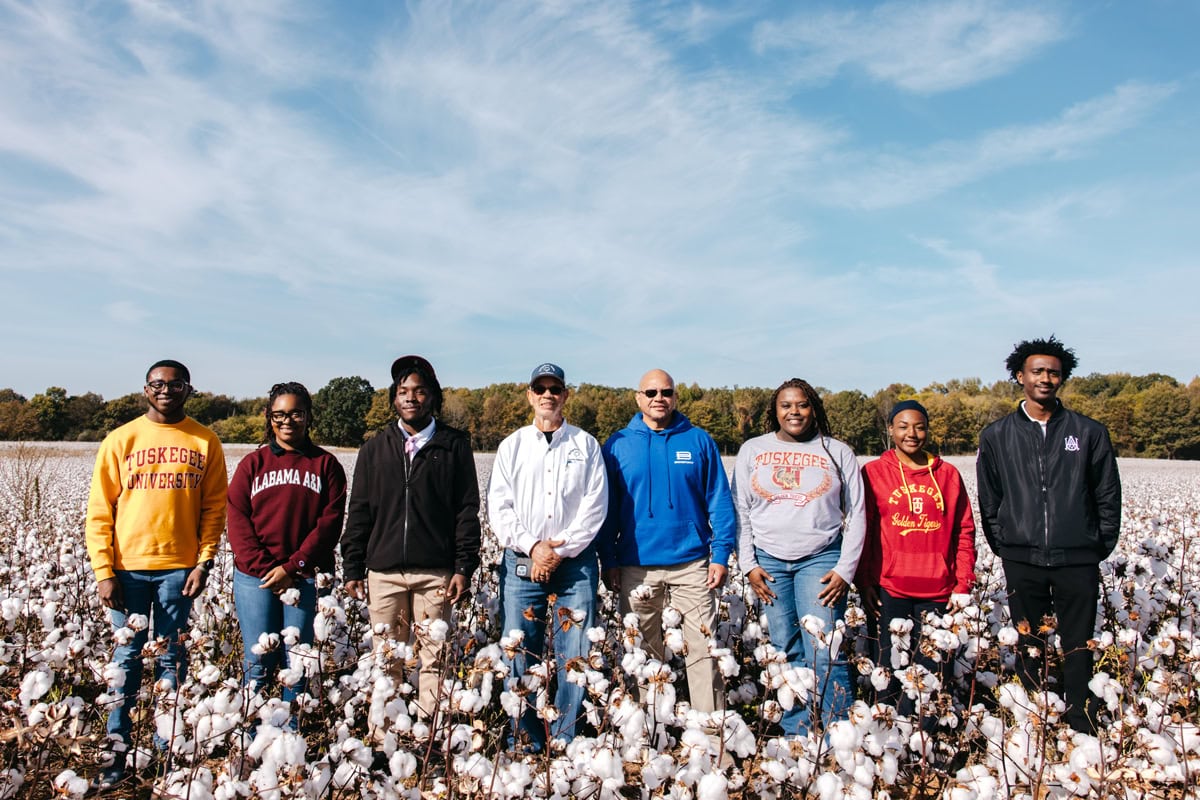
point(286, 503)
point(920, 546)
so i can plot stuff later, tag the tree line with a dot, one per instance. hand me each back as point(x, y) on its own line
point(1152, 416)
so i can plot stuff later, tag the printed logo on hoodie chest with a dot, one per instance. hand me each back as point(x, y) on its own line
point(683, 457)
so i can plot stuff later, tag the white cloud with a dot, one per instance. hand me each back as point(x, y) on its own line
point(920, 47)
point(880, 181)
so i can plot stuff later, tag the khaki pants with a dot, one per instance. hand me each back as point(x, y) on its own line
point(682, 586)
point(400, 599)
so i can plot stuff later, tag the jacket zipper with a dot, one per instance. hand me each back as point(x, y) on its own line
point(1045, 491)
point(407, 504)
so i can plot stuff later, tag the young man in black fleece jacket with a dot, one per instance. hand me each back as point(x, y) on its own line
point(1050, 503)
point(412, 524)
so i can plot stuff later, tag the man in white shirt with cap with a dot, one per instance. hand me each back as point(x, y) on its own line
point(546, 501)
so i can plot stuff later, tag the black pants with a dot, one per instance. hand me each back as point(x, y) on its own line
point(907, 608)
point(1070, 594)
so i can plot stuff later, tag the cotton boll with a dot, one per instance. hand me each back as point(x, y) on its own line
point(267, 642)
point(1008, 636)
point(712, 787)
point(34, 685)
point(657, 771)
point(208, 675)
point(68, 784)
point(671, 618)
point(597, 634)
point(828, 786)
point(673, 639)
point(438, 630)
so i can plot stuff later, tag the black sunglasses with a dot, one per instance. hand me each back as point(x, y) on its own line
point(541, 388)
point(653, 393)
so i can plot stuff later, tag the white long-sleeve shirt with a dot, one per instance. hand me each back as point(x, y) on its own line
point(543, 491)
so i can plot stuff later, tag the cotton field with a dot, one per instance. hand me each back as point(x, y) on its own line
point(991, 740)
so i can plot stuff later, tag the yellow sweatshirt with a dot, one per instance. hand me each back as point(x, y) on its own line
point(157, 498)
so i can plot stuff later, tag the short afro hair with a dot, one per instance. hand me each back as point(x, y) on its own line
point(1041, 347)
point(170, 363)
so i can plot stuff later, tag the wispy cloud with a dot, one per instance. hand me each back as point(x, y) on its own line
point(875, 181)
point(918, 46)
point(616, 183)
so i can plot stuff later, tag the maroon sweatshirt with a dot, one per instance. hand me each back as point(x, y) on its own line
point(286, 507)
point(920, 532)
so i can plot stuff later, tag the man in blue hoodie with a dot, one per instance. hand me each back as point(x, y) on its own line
point(670, 528)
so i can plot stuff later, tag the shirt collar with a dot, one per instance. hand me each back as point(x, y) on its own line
point(422, 436)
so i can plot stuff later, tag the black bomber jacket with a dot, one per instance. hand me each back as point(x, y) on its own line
point(1052, 500)
point(423, 514)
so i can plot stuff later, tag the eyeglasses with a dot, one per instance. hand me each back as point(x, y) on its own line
point(171, 386)
point(553, 388)
point(653, 393)
point(295, 415)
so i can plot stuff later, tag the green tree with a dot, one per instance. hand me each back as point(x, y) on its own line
point(341, 406)
point(1164, 420)
point(504, 410)
point(119, 410)
point(50, 410)
point(206, 407)
point(85, 417)
point(18, 422)
point(852, 419)
point(613, 411)
point(241, 428)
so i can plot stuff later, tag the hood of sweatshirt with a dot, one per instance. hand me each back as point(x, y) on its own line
point(679, 424)
point(890, 458)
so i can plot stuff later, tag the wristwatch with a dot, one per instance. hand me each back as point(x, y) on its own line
point(206, 565)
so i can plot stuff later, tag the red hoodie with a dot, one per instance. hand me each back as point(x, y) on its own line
point(920, 532)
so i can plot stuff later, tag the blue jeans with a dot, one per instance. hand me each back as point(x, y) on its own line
point(261, 611)
point(157, 594)
point(796, 586)
point(576, 583)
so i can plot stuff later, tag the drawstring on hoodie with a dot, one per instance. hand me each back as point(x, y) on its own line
point(650, 475)
point(932, 477)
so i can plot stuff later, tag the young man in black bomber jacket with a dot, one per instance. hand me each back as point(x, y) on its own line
point(1050, 503)
point(412, 523)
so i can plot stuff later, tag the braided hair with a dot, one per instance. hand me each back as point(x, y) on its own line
point(810, 394)
point(298, 391)
point(823, 429)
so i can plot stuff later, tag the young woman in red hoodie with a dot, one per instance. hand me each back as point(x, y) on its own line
point(920, 546)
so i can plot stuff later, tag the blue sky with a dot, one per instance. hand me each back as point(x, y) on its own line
point(855, 194)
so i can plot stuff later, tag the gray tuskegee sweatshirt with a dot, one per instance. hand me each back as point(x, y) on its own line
point(790, 498)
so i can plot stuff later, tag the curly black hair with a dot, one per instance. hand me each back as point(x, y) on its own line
point(304, 399)
point(810, 394)
point(1041, 347)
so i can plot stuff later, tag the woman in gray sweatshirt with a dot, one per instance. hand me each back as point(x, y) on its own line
point(801, 525)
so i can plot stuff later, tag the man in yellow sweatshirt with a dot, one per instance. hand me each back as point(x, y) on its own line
point(154, 521)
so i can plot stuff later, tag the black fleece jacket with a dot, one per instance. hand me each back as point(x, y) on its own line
point(1049, 501)
point(423, 514)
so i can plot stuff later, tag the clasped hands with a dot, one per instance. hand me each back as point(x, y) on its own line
point(545, 560)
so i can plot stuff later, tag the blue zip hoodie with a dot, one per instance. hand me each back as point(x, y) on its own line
point(669, 500)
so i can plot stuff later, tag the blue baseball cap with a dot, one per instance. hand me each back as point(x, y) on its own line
point(548, 370)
